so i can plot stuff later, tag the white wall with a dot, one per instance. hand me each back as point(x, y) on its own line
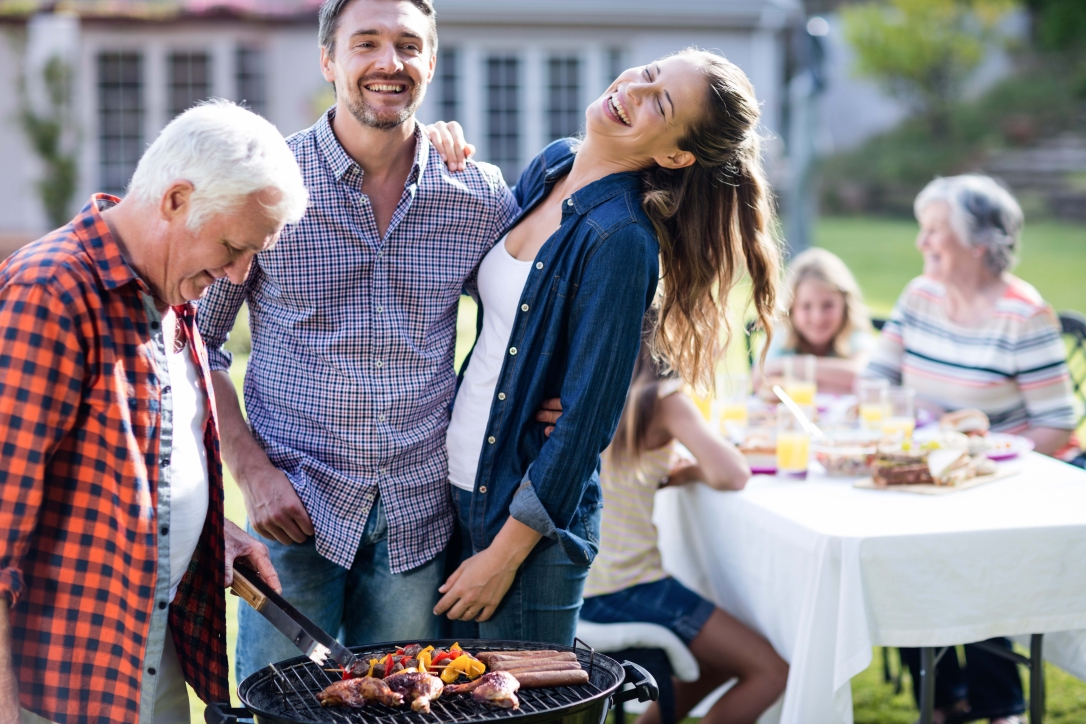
point(20, 209)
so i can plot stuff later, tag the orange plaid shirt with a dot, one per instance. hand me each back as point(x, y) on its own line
point(80, 417)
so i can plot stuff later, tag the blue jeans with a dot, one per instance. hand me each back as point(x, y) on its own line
point(666, 603)
point(363, 605)
point(545, 598)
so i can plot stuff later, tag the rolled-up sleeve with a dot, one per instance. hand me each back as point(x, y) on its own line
point(604, 335)
point(41, 386)
point(216, 314)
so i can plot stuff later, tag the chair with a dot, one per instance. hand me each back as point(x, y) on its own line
point(1073, 328)
point(653, 647)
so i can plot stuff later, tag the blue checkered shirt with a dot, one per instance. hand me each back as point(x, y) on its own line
point(351, 376)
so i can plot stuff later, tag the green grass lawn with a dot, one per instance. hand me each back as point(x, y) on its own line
point(881, 254)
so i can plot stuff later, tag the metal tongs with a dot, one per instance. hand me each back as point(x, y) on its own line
point(806, 424)
point(314, 642)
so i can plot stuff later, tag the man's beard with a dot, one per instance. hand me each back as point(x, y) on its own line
point(379, 119)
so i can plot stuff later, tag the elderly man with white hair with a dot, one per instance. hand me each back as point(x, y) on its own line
point(969, 334)
point(116, 551)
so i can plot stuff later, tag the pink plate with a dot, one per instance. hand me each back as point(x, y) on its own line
point(763, 471)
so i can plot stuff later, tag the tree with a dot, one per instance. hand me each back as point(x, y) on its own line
point(1059, 24)
point(921, 51)
point(52, 135)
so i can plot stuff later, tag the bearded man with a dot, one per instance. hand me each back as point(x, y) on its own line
point(353, 320)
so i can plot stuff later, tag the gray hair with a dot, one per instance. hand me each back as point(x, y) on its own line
point(332, 9)
point(982, 213)
point(228, 154)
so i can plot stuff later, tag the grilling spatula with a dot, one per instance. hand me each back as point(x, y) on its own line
point(313, 641)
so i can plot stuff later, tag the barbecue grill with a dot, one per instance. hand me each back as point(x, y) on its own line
point(286, 693)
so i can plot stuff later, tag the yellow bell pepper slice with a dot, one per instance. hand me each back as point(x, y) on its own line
point(424, 659)
point(373, 662)
point(463, 664)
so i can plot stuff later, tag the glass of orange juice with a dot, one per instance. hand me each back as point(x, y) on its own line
point(900, 413)
point(793, 442)
point(733, 397)
point(872, 394)
point(799, 378)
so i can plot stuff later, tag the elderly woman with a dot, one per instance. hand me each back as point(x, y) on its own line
point(968, 333)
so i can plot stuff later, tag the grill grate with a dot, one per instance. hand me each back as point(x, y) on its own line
point(290, 690)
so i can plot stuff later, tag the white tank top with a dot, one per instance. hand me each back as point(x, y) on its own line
point(501, 282)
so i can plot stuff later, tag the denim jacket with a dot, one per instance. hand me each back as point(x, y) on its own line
point(576, 336)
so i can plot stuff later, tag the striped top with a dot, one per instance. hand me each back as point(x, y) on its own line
point(1012, 366)
point(628, 552)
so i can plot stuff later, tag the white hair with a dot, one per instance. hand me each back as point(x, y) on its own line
point(228, 154)
point(982, 214)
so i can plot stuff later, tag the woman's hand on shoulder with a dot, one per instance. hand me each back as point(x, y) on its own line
point(719, 464)
point(449, 142)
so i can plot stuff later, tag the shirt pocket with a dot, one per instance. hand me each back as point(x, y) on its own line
point(559, 295)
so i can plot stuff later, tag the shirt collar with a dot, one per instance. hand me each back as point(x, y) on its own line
point(343, 165)
point(102, 247)
point(605, 189)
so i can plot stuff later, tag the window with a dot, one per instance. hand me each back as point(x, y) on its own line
point(503, 113)
point(190, 80)
point(616, 63)
point(120, 118)
point(250, 79)
point(564, 112)
point(449, 72)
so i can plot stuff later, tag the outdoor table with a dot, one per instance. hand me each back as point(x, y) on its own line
point(825, 571)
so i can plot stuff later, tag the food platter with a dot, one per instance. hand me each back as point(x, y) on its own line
point(995, 445)
point(1001, 473)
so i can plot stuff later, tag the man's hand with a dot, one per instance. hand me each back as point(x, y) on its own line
point(449, 142)
point(549, 412)
point(274, 508)
point(9, 684)
point(241, 545)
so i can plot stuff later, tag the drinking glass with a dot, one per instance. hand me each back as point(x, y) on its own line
point(733, 397)
point(872, 395)
point(799, 378)
point(793, 442)
point(900, 413)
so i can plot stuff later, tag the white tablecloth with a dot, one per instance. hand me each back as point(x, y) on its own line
point(826, 571)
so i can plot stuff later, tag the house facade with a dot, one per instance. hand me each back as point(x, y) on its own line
point(515, 73)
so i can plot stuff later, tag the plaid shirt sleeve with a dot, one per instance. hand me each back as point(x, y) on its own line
point(41, 382)
point(218, 311)
point(506, 210)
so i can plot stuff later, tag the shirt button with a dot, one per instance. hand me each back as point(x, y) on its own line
point(384, 471)
point(512, 350)
point(482, 489)
point(539, 265)
point(380, 364)
point(165, 461)
point(501, 395)
point(524, 307)
point(167, 390)
point(380, 418)
point(155, 325)
point(569, 203)
point(162, 605)
point(491, 440)
point(380, 254)
point(152, 671)
point(380, 309)
point(165, 530)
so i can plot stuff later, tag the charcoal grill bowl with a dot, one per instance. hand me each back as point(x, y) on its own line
point(264, 702)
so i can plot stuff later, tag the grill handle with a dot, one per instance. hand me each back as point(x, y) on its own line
point(225, 714)
point(643, 683)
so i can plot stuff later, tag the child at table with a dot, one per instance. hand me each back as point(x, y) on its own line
point(825, 316)
point(627, 582)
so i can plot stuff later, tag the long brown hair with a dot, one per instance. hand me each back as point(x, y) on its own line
point(714, 220)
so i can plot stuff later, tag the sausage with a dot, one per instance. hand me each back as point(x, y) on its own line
point(484, 656)
point(543, 664)
point(534, 665)
point(543, 679)
point(549, 655)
